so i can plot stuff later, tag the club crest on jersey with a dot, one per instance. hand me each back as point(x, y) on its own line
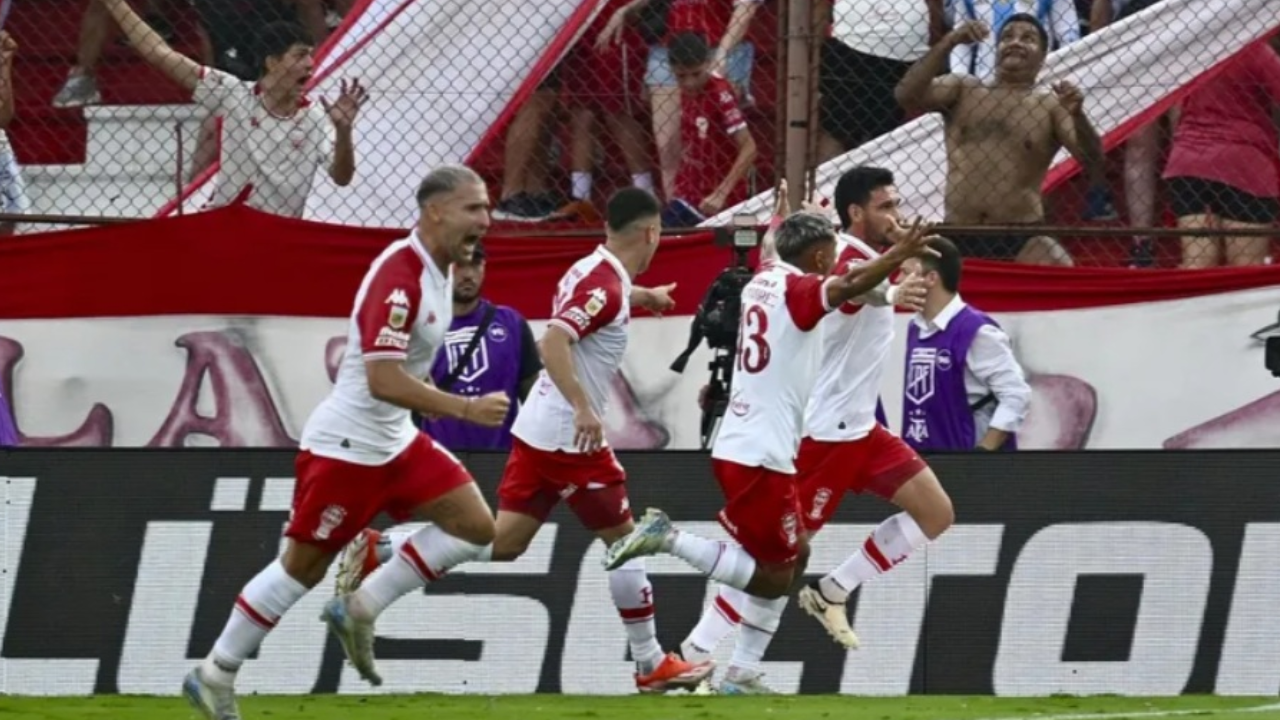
point(595, 301)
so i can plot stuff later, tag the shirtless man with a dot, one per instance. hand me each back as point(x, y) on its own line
point(1002, 137)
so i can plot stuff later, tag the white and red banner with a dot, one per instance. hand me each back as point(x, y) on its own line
point(225, 327)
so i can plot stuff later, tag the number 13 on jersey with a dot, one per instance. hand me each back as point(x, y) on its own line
point(753, 346)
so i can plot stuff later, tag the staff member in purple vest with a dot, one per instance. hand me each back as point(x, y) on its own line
point(963, 388)
point(488, 348)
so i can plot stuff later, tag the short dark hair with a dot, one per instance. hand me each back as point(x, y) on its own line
point(855, 188)
point(1030, 20)
point(801, 231)
point(445, 179)
point(688, 50)
point(277, 38)
point(629, 205)
point(947, 263)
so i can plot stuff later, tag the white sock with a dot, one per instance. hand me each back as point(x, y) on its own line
point(889, 544)
point(719, 618)
point(581, 182)
point(760, 619)
point(261, 604)
point(390, 543)
point(643, 180)
point(633, 596)
point(723, 562)
point(424, 558)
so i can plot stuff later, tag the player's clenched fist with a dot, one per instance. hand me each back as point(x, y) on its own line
point(969, 33)
point(488, 410)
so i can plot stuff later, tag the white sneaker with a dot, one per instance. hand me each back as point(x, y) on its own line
point(649, 538)
point(356, 561)
point(355, 635)
point(215, 702)
point(832, 616)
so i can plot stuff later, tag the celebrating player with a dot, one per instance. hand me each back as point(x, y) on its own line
point(753, 455)
point(558, 445)
point(361, 454)
point(844, 448)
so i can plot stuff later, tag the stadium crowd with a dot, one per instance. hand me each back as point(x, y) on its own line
point(680, 97)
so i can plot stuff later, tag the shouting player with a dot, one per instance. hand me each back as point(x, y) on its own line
point(844, 448)
point(361, 454)
point(754, 453)
point(558, 446)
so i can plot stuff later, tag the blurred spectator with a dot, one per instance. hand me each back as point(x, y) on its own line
point(274, 138)
point(872, 45)
point(1057, 17)
point(964, 389)
point(13, 191)
point(526, 194)
point(1001, 138)
point(488, 348)
point(718, 148)
point(604, 79)
point(723, 24)
point(81, 86)
point(1222, 171)
point(1141, 149)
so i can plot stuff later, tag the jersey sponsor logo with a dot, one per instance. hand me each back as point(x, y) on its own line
point(392, 339)
point(791, 529)
point(596, 300)
point(917, 426)
point(398, 297)
point(498, 333)
point(577, 317)
point(455, 346)
point(920, 372)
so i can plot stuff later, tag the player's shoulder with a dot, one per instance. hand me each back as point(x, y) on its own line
point(854, 249)
point(721, 90)
point(398, 259)
point(596, 270)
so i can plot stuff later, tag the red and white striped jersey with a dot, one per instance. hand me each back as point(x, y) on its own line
point(778, 355)
point(402, 310)
point(855, 343)
point(593, 305)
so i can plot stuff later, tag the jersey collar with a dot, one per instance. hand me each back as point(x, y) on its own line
point(613, 260)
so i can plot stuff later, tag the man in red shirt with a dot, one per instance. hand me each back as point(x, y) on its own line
point(717, 149)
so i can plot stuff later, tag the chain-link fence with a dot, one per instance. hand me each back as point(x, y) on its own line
point(1147, 137)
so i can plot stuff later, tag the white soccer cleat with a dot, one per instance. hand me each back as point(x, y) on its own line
point(744, 682)
point(355, 635)
point(356, 561)
point(648, 538)
point(832, 616)
point(213, 701)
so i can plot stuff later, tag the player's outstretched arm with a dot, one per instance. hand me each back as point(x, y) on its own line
point(148, 43)
point(391, 383)
point(861, 279)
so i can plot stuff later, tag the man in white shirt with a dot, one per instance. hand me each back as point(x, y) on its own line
point(274, 138)
point(361, 455)
point(963, 389)
point(872, 45)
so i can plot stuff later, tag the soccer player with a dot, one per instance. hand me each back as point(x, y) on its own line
point(754, 453)
point(274, 138)
point(844, 448)
point(361, 455)
point(558, 446)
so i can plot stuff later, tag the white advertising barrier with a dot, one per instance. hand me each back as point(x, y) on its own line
point(1180, 373)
